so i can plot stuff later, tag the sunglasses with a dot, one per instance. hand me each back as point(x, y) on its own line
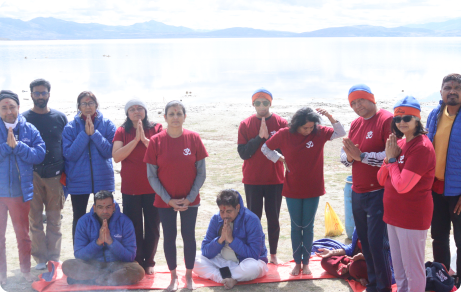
point(258, 103)
point(399, 119)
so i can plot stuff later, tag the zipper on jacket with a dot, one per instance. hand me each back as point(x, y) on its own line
point(91, 169)
point(17, 167)
point(10, 178)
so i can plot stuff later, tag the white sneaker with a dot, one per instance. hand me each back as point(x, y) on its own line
point(40, 266)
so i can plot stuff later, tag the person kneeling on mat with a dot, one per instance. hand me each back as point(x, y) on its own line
point(234, 247)
point(105, 247)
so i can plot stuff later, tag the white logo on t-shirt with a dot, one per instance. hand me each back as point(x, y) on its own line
point(187, 151)
point(273, 133)
point(369, 135)
point(309, 144)
point(401, 159)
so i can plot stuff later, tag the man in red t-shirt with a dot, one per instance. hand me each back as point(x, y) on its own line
point(263, 179)
point(364, 151)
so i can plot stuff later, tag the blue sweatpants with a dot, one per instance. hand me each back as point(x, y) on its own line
point(368, 212)
point(302, 214)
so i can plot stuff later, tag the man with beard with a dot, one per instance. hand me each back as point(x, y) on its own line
point(444, 126)
point(105, 247)
point(48, 190)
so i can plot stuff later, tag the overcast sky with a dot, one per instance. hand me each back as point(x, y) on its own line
point(284, 15)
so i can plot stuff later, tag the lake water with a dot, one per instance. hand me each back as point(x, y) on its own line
point(229, 70)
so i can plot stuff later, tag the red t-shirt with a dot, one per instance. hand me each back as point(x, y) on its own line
point(371, 136)
point(175, 158)
point(134, 170)
point(258, 170)
point(304, 158)
point(412, 210)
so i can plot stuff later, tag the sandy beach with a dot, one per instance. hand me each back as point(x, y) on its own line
point(217, 124)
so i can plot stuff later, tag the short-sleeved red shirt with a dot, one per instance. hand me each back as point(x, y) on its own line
point(304, 158)
point(371, 136)
point(258, 170)
point(175, 158)
point(412, 210)
point(134, 170)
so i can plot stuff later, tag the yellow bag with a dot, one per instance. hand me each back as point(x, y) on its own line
point(333, 226)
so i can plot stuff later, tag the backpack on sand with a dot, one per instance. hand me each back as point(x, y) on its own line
point(437, 278)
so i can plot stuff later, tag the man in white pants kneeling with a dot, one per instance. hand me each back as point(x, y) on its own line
point(234, 239)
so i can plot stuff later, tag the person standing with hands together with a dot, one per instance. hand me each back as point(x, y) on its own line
point(364, 151)
point(408, 206)
point(87, 148)
point(130, 146)
point(263, 180)
point(21, 146)
point(176, 171)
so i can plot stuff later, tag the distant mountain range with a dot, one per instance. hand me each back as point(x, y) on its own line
point(56, 29)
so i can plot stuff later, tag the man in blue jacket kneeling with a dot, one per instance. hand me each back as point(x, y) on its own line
point(104, 247)
point(234, 248)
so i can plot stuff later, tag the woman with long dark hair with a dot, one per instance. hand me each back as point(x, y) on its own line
point(407, 175)
point(302, 147)
point(130, 145)
point(87, 149)
point(176, 170)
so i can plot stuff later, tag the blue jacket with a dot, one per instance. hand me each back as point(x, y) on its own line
point(249, 238)
point(88, 159)
point(123, 247)
point(453, 166)
point(30, 150)
point(328, 243)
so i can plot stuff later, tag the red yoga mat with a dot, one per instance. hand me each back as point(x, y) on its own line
point(161, 278)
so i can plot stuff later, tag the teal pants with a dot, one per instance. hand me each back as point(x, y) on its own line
point(302, 214)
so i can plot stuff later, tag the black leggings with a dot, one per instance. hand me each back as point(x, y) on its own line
point(269, 197)
point(147, 235)
point(79, 204)
point(188, 219)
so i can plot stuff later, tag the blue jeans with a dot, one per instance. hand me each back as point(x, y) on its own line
point(302, 214)
point(368, 212)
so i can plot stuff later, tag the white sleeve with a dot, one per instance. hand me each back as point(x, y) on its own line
point(272, 155)
point(339, 131)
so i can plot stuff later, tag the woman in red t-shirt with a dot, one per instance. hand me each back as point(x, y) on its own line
point(176, 171)
point(130, 144)
point(407, 175)
point(302, 146)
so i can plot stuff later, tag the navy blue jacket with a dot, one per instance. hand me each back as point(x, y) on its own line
point(249, 238)
point(88, 159)
point(453, 166)
point(123, 247)
point(30, 150)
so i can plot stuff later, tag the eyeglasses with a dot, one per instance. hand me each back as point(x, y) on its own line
point(399, 119)
point(136, 109)
point(87, 104)
point(258, 103)
point(38, 93)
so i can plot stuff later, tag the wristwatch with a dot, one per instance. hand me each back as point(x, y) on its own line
point(392, 160)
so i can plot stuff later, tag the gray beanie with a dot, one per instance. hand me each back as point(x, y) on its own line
point(9, 94)
point(134, 102)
